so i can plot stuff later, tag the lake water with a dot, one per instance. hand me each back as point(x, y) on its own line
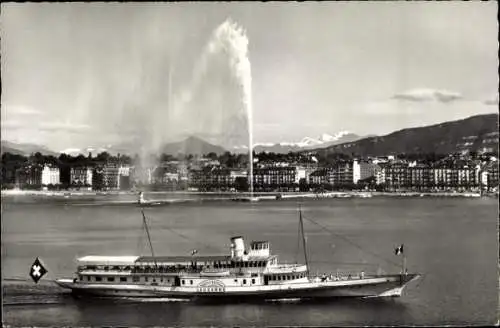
point(453, 242)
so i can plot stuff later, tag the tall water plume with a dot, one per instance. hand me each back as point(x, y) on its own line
point(211, 88)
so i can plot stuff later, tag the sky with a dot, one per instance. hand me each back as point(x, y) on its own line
point(77, 75)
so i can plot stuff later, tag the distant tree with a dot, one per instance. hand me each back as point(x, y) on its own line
point(212, 156)
point(80, 160)
point(103, 157)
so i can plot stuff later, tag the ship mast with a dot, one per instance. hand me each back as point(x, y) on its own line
point(303, 239)
point(149, 238)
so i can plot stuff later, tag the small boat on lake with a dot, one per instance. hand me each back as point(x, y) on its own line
point(245, 273)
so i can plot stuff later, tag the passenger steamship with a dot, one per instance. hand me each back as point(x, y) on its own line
point(244, 273)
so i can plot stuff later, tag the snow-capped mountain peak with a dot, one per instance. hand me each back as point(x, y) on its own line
point(329, 138)
point(324, 140)
point(308, 141)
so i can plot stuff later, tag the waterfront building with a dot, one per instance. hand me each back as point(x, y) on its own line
point(420, 177)
point(341, 174)
point(362, 170)
point(124, 177)
point(278, 177)
point(210, 178)
point(111, 176)
point(98, 178)
point(166, 174)
point(81, 176)
point(50, 175)
point(490, 176)
point(397, 175)
point(28, 176)
point(380, 173)
point(319, 178)
point(456, 174)
point(235, 175)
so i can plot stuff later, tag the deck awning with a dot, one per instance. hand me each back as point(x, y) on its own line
point(107, 260)
point(181, 260)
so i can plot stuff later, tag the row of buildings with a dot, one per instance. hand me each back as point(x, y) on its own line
point(388, 174)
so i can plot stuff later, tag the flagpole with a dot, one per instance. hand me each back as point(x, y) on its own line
point(404, 263)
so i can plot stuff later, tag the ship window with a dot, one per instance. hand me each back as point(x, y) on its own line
point(98, 278)
point(253, 281)
point(146, 279)
point(135, 279)
point(235, 280)
point(111, 278)
point(191, 282)
point(244, 281)
point(123, 279)
point(183, 282)
point(106, 268)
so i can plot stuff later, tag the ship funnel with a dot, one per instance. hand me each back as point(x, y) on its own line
point(237, 246)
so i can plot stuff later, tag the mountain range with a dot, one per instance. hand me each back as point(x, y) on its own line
point(24, 148)
point(473, 134)
point(323, 141)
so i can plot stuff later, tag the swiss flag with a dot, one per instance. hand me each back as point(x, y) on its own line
point(37, 270)
point(399, 250)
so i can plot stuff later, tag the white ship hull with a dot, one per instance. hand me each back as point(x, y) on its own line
point(381, 286)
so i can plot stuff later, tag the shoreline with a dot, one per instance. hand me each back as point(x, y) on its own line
point(257, 195)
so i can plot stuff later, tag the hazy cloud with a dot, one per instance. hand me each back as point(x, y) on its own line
point(19, 110)
point(419, 95)
point(44, 126)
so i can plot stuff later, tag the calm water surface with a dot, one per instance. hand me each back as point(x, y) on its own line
point(453, 242)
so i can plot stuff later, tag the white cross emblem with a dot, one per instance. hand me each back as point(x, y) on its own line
point(36, 270)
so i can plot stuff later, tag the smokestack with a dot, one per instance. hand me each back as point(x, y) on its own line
point(237, 246)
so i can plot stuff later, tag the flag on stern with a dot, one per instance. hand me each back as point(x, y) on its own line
point(37, 270)
point(194, 251)
point(399, 250)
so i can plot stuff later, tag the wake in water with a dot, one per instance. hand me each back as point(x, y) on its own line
point(20, 291)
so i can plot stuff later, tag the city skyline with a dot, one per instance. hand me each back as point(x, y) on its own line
point(80, 75)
